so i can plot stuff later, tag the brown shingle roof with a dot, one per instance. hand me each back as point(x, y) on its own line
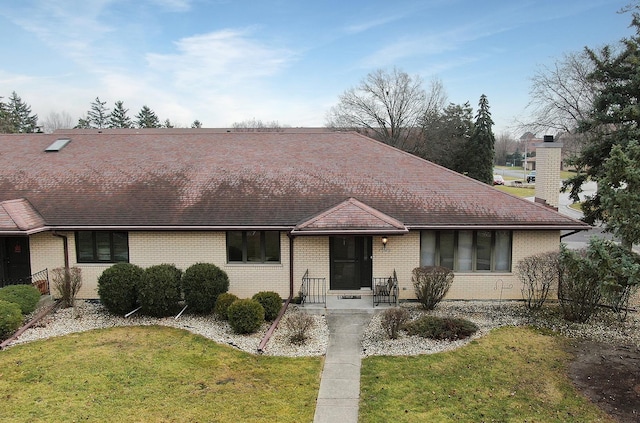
point(19, 216)
point(177, 178)
point(350, 215)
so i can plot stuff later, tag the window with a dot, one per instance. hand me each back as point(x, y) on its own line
point(253, 247)
point(102, 247)
point(467, 251)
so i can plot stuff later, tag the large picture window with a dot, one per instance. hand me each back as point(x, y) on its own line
point(102, 247)
point(467, 251)
point(253, 247)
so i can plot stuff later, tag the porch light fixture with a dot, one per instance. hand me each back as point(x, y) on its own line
point(384, 242)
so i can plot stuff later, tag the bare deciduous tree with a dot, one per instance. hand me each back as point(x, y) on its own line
point(562, 95)
point(387, 105)
point(253, 125)
point(504, 145)
point(55, 120)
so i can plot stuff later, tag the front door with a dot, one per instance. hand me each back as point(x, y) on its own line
point(15, 264)
point(350, 258)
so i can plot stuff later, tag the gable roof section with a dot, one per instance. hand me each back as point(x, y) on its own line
point(212, 179)
point(19, 216)
point(350, 216)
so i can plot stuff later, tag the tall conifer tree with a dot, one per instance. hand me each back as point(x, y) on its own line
point(480, 148)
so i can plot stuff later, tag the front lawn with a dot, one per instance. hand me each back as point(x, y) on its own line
point(518, 192)
point(152, 374)
point(512, 374)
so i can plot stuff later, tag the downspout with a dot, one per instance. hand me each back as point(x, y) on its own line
point(65, 247)
point(274, 325)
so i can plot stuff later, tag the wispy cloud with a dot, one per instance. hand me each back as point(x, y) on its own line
point(70, 28)
point(222, 57)
point(370, 24)
point(430, 44)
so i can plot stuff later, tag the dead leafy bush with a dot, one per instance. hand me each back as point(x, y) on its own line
point(298, 326)
point(67, 283)
point(393, 319)
point(431, 284)
point(539, 274)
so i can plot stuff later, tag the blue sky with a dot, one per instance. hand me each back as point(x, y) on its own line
point(225, 61)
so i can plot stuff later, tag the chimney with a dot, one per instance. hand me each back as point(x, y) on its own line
point(548, 182)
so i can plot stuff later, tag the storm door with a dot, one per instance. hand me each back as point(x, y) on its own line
point(350, 262)
point(15, 259)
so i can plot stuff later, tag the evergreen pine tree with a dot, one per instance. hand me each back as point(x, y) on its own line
point(98, 114)
point(480, 148)
point(20, 117)
point(118, 117)
point(613, 125)
point(445, 135)
point(83, 123)
point(147, 118)
point(5, 123)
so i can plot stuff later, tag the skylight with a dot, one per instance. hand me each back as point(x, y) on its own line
point(58, 145)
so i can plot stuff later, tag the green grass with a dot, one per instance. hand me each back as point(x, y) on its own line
point(576, 206)
point(511, 375)
point(518, 192)
point(152, 374)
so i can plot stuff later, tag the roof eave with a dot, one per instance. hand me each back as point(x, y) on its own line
point(335, 231)
point(542, 227)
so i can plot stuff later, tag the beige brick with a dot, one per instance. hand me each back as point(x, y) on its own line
point(183, 249)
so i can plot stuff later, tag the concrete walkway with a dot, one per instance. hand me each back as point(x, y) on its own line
point(339, 395)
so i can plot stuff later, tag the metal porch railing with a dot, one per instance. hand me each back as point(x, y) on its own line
point(39, 279)
point(313, 290)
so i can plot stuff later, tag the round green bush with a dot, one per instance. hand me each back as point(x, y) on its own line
point(271, 302)
point(441, 328)
point(201, 284)
point(245, 316)
point(118, 287)
point(26, 296)
point(159, 290)
point(222, 305)
point(10, 318)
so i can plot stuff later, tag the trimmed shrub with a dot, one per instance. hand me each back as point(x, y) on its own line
point(201, 285)
point(441, 328)
point(579, 290)
point(222, 305)
point(67, 283)
point(26, 296)
point(298, 326)
point(431, 284)
point(118, 287)
point(539, 274)
point(159, 290)
point(10, 318)
point(245, 316)
point(393, 319)
point(271, 302)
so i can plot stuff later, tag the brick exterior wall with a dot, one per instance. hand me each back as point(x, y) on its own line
point(548, 160)
point(311, 253)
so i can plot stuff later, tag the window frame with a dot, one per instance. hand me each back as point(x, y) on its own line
point(113, 255)
point(437, 256)
point(245, 247)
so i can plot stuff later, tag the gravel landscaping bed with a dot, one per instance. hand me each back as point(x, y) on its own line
point(604, 327)
point(88, 315)
point(487, 315)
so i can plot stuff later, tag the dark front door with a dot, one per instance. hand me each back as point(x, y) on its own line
point(350, 262)
point(15, 264)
